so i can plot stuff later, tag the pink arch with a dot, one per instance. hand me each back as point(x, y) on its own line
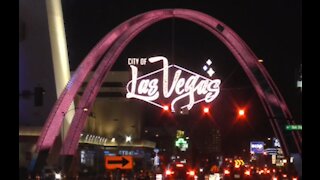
point(115, 41)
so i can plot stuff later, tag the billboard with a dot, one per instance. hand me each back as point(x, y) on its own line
point(256, 147)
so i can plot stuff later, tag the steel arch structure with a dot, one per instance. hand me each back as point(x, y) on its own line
point(105, 53)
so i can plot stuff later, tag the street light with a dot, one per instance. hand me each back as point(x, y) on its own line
point(166, 108)
point(205, 110)
point(241, 113)
point(128, 139)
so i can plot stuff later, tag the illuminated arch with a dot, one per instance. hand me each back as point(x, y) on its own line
point(113, 44)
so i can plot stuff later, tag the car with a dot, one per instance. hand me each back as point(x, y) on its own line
point(142, 175)
point(180, 171)
point(285, 174)
point(237, 173)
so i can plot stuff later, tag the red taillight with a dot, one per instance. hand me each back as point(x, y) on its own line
point(226, 171)
point(247, 172)
point(268, 171)
point(294, 178)
point(169, 172)
point(284, 175)
point(265, 169)
point(274, 178)
point(191, 173)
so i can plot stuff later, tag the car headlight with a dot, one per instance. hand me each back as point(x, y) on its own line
point(57, 175)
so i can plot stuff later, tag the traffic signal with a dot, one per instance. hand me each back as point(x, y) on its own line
point(241, 113)
point(205, 110)
point(165, 108)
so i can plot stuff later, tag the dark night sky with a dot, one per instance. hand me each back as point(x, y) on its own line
point(272, 29)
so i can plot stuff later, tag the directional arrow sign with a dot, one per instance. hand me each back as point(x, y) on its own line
point(118, 162)
point(239, 162)
point(236, 163)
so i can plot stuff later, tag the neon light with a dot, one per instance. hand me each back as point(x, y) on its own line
point(182, 144)
point(147, 89)
point(141, 88)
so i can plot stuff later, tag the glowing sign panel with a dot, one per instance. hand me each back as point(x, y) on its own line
point(182, 89)
point(182, 144)
point(118, 162)
point(257, 147)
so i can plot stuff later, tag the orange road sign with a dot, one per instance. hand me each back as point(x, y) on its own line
point(118, 162)
point(239, 162)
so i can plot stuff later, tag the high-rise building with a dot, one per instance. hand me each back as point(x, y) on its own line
point(206, 141)
point(216, 141)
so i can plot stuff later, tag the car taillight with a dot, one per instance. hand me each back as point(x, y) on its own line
point(191, 173)
point(294, 178)
point(274, 178)
point(226, 171)
point(169, 172)
point(247, 172)
point(268, 171)
point(284, 175)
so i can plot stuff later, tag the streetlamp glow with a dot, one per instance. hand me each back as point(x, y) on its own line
point(128, 139)
point(241, 112)
point(206, 110)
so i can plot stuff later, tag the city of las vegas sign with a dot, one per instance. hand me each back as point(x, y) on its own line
point(170, 85)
